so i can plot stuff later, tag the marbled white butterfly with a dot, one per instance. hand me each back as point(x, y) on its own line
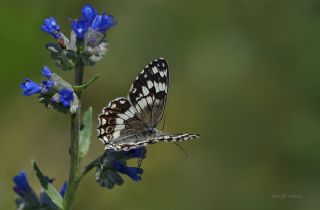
point(128, 123)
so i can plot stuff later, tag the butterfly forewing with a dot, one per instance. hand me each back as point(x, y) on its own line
point(174, 137)
point(148, 93)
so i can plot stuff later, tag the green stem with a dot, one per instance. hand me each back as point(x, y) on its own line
point(90, 166)
point(73, 182)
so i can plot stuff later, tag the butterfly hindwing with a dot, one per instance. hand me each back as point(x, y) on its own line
point(148, 93)
point(118, 121)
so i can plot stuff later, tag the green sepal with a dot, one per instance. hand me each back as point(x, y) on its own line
point(64, 58)
point(85, 133)
point(53, 194)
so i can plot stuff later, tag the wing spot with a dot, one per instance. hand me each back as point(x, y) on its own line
point(145, 91)
point(119, 120)
point(119, 127)
point(142, 103)
point(109, 137)
point(109, 129)
point(150, 84)
point(123, 116)
point(155, 70)
point(116, 134)
point(101, 131)
point(156, 86)
point(149, 100)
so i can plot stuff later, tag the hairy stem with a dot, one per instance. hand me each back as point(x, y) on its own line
point(74, 144)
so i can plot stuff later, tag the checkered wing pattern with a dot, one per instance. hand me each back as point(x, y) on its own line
point(148, 93)
point(119, 123)
point(128, 123)
point(174, 138)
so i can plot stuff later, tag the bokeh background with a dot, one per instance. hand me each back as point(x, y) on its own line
point(244, 74)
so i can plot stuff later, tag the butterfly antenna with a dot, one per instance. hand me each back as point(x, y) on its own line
point(180, 147)
point(140, 159)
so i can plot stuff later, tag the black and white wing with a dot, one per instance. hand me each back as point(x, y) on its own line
point(119, 126)
point(148, 93)
point(128, 123)
point(173, 138)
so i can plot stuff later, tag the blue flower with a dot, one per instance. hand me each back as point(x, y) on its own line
point(27, 197)
point(66, 97)
point(135, 153)
point(80, 27)
point(88, 13)
point(91, 19)
point(22, 186)
point(46, 72)
point(46, 85)
point(113, 163)
point(132, 172)
point(63, 189)
point(103, 22)
point(29, 87)
point(51, 27)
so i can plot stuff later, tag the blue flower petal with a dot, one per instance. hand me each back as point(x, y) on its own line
point(63, 188)
point(80, 27)
point(132, 172)
point(29, 87)
point(135, 153)
point(46, 72)
point(103, 22)
point(66, 97)
point(88, 13)
point(22, 186)
point(47, 84)
point(50, 26)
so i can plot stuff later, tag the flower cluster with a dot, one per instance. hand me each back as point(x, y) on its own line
point(53, 92)
point(113, 163)
point(86, 41)
point(91, 19)
point(28, 198)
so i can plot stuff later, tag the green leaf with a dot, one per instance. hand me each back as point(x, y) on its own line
point(86, 84)
point(53, 194)
point(85, 133)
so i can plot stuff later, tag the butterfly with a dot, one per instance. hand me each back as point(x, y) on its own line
point(130, 122)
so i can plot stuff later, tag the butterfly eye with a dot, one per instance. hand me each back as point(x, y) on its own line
point(109, 129)
point(109, 136)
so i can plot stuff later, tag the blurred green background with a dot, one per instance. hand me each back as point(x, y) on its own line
point(244, 74)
